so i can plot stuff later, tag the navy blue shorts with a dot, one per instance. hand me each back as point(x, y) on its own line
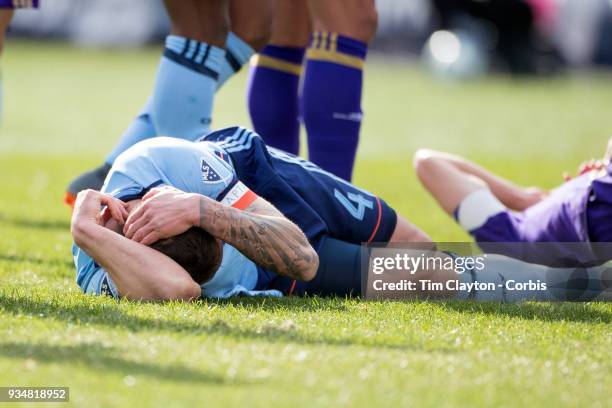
point(321, 204)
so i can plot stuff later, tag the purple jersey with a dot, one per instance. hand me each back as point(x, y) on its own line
point(580, 210)
point(19, 3)
point(599, 209)
point(561, 217)
point(571, 211)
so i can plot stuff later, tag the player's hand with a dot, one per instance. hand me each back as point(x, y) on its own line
point(164, 212)
point(586, 167)
point(88, 207)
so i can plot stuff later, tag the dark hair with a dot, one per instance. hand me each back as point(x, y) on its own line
point(195, 250)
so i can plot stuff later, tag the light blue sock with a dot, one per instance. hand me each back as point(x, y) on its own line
point(237, 53)
point(141, 128)
point(185, 88)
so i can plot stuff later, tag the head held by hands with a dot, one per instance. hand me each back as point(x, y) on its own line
point(198, 252)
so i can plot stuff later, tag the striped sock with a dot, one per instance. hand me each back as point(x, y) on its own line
point(185, 87)
point(237, 53)
point(142, 127)
point(331, 101)
point(273, 96)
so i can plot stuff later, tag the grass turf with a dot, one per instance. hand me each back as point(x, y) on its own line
point(64, 109)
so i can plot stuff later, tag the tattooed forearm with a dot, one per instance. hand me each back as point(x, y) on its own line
point(263, 235)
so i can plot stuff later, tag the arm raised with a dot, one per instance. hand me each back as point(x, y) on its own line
point(263, 234)
point(259, 231)
point(139, 272)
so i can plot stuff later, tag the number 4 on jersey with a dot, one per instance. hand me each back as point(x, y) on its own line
point(357, 210)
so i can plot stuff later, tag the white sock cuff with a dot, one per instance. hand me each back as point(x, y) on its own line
point(477, 207)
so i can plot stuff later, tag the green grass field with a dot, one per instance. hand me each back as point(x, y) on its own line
point(65, 108)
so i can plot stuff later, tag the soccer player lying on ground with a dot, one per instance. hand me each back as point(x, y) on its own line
point(493, 209)
point(230, 230)
point(228, 181)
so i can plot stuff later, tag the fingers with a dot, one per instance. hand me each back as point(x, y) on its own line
point(118, 211)
point(139, 234)
point(135, 221)
point(149, 232)
point(590, 165)
point(585, 167)
point(141, 223)
point(116, 207)
point(88, 205)
point(105, 215)
point(161, 214)
point(152, 192)
point(150, 238)
point(87, 196)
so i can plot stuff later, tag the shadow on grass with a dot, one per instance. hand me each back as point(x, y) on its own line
point(63, 225)
point(548, 312)
point(110, 315)
point(35, 260)
point(97, 357)
point(305, 303)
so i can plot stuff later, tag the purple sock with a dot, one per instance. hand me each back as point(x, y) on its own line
point(273, 96)
point(331, 101)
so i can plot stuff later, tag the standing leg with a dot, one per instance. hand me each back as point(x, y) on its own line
point(331, 98)
point(6, 15)
point(5, 19)
point(275, 76)
point(189, 69)
point(251, 25)
point(182, 100)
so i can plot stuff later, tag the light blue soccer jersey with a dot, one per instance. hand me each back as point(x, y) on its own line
point(195, 167)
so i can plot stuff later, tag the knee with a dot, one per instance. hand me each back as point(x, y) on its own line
point(423, 161)
point(422, 237)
